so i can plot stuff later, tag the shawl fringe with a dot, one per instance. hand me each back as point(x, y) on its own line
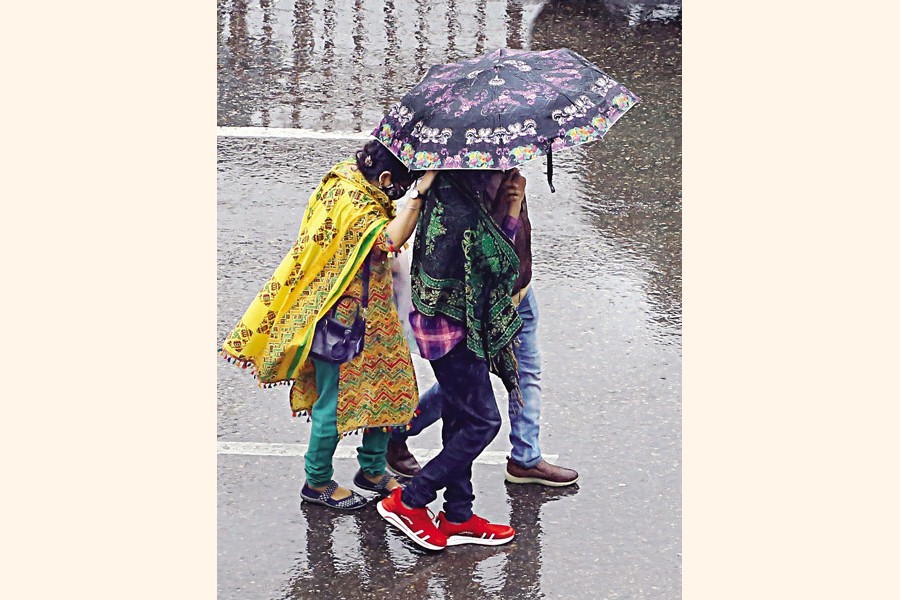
point(387, 429)
point(248, 364)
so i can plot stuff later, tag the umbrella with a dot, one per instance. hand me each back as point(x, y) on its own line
point(503, 109)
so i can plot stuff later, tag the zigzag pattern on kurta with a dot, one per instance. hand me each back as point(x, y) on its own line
point(378, 387)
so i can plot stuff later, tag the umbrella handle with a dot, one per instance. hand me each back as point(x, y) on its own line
point(550, 166)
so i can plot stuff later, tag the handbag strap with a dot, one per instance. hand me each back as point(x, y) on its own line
point(365, 291)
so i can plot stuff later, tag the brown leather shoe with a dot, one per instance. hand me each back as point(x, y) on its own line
point(400, 460)
point(543, 473)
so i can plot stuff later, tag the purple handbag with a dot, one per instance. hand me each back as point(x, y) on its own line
point(337, 342)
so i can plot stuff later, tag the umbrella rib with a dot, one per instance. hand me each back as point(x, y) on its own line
point(559, 93)
point(494, 92)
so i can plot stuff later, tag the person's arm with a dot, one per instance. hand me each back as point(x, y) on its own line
point(512, 193)
point(510, 226)
point(402, 226)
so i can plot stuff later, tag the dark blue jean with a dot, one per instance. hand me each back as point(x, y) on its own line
point(524, 424)
point(471, 421)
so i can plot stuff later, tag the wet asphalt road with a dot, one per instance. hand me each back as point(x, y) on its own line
point(607, 273)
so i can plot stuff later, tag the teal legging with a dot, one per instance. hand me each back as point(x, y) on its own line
point(324, 438)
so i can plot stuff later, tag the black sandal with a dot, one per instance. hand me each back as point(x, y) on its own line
point(379, 487)
point(352, 502)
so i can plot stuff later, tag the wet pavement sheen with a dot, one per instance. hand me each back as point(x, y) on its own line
point(607, 274)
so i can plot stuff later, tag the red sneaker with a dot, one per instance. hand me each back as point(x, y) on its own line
point(416, 523)
point(475, 531)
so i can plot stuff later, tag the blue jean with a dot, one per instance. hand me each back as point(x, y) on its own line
point(524, 425)
point(471, 421)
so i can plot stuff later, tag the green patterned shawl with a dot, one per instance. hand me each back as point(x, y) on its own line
point(464, 267)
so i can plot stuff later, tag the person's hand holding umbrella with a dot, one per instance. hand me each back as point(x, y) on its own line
point(512, 191)
point(424, 182)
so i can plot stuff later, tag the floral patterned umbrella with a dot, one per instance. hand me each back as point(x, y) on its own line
point(503, 109)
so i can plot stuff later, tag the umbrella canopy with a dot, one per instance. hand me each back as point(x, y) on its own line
point(503, 109)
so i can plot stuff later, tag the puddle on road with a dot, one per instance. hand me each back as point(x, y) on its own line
point(359, 555)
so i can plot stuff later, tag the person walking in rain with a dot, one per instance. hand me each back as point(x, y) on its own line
point(495, 112)
point(463, 270)
point(348, 234)
point(525, 463)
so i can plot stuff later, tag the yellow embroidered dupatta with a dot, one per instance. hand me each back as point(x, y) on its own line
point(345, 217)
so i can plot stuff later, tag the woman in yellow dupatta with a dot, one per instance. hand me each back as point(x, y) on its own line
point(350, 218)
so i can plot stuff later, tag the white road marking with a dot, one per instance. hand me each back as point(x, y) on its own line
point(348, 451)
point(289, 132)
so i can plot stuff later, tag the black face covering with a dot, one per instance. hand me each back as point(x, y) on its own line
point(395, 191)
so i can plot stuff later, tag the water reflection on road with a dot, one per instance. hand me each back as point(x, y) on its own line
point(339, 65)
point(360, 556)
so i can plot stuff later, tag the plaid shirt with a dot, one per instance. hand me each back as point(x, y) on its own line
point(437, 335)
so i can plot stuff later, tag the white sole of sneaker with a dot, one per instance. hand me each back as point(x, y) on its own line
point(514, 479)
point(399, 524)
point(459, 540)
